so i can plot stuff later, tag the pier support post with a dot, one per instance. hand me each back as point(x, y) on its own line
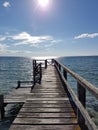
point(40, 74)
point(52, 61)
point(18, 84)
point(1, 107)
point(45, 64)
point(60, 67)
point(81, 94)
point(34, 63)
point(82, 99)
point(65, 74)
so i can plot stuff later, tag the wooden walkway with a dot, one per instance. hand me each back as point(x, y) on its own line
point(46, 108)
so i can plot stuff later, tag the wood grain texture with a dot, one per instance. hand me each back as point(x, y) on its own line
point(48, 106)
point(44, 127)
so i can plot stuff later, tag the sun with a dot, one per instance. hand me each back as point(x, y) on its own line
point(43, 3)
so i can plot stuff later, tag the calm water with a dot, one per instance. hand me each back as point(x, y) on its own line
point(13, 69)
point(87, 67)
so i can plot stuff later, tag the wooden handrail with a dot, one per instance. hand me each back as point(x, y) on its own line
point(45, 62)
point(82, 81)
point(83, 117)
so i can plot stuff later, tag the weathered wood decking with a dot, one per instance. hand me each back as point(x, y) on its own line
point(46, 108)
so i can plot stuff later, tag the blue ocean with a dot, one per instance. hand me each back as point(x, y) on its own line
point(13, 69)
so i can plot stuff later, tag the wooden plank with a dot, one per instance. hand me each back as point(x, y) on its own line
point(36, 93)
point(49, 101)
point(37, 115)
point(44, 127)
point(48, 91)
point(32, 110)
point(44, 100)
point(34, 121)
point(42, 93)
point(48, 95)
point(51, 86)
point(11, 101)
point(26, 105)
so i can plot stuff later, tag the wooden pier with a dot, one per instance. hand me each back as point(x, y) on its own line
point(50, 103)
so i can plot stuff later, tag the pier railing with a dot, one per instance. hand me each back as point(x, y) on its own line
point(37, 75)
point(79, 102)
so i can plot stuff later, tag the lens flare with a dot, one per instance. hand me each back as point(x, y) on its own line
point(43, 3)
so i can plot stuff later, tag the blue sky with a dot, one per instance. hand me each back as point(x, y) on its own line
point(63, 28)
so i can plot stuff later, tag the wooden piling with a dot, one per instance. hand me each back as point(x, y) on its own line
point(18, 84)
point(81, 94)
point(65, 74)
point(82, 98)
point(1, 107)
point(45, 64)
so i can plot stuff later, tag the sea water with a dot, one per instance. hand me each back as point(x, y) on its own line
point(13, 69)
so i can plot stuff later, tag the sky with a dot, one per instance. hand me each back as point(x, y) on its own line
point(61, 28)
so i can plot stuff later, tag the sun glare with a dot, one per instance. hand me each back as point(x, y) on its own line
point(43, 3)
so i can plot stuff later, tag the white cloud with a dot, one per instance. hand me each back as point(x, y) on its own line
point(25, 38)
point(86, 35)
point(3, 47)
point(2, 38)
point(53, 42)
point(6, 4)
point(56, 41)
